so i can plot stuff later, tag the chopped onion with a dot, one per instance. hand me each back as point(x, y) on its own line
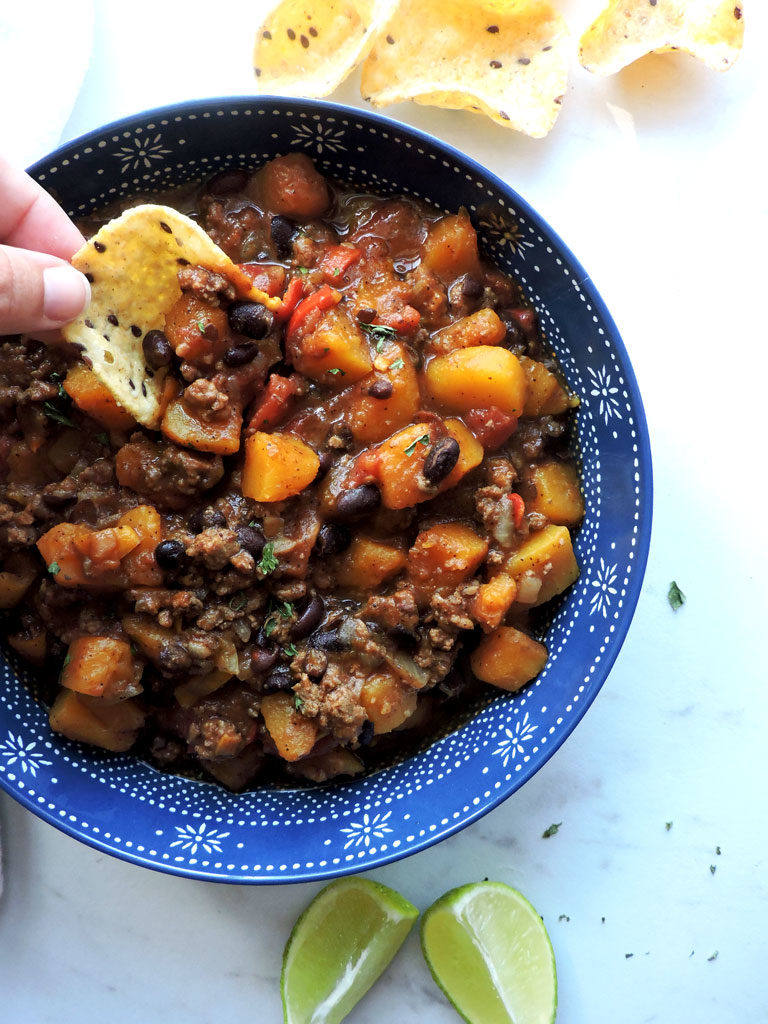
point(528, 588)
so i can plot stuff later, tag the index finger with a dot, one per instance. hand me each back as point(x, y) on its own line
point(31, 219)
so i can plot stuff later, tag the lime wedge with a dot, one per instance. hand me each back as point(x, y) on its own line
point(490, 953)
point(339, 946)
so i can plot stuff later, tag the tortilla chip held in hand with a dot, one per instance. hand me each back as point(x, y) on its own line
point(133, 264)
point(507, 59)
point(712, 30)
point(306, 48)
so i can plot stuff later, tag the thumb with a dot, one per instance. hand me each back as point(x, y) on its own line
point(38, 292)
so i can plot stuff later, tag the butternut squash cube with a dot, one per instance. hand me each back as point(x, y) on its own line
point(139, 565)
point(546, 395)
point(336, 352)
point(94, 398)
point(101, 666)
point(493, 601)
point(31, 644)
point(557, 493)
point(367, 563)
point(387, 702)
point(277, 466)
point(292, 733)
point(484, 327)
point(220, 435)
point(471, 453)
point(189, 693)
point(450, 249)
point(444, 556)
point(508, 658)
point(544, 565)
point(148, 636)
point(76, 555)
point(372, 419)
point(20, 570)
point(112, 727)
point(477, 378)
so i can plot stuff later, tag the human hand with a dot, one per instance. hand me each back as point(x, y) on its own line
point(39, 290)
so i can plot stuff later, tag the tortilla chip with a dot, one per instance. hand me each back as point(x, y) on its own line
point(712, 30)
point(507, 59)
point(132, 264)
point(307, 48)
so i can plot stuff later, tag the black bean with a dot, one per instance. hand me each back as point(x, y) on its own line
point(279, 678)
point(328, 640)
point(226, 183)
point(239, 355)
point(281, 229)
point(206, 519)
point(170, 554)
point(309, 619)
point(366, 315)
point(366, 734)
point(326, 461)
point(173, 659)
point(332, 539)
point(471, 287)
point(249, 318)
point(263, 659)
point(251, 539)
point(381, 388)
point(157, 349)
point(358, 502)
point(441, 459)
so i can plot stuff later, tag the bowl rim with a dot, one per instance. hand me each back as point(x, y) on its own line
point(645, 504)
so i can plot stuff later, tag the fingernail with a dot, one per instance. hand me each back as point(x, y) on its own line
point(66, 292)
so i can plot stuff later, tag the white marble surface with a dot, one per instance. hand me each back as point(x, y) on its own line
point(657, 179)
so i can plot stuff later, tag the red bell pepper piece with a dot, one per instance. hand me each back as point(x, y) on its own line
point(310, 309)
point(273, 404)
point(491, 426)
point(337, 260)
point(518, 509)
point(291, 299)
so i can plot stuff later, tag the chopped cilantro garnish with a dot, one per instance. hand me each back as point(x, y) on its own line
point(303, 270)
point(270, 624)
point(291, 650)
point(286, 612)
point(675, 596)
point(201, 326)
point(379, 332)
point(56, 415)
point(253, 522)
point(268, 561)
point(67, 660)
point(298, 703)
point(237, 602)
point(397, 365)
point(424, 439)
point(54, 569)
point(336, 271)
point(553, 829)
point(334, 370)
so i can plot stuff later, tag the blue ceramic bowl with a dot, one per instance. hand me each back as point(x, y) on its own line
point(121, 805)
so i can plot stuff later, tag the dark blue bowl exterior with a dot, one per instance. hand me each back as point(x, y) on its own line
point(124, 807)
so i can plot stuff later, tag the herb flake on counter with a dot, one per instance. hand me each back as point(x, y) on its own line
point(268, 561)
point(552, 830)
point(718, 851)
point(424, 439)
point(54, 569)
point(667, 825)
point(628, 956)
point(56, 415)
point(675, 596)
point(563, 917)
point(712, 868)
point(715, 955)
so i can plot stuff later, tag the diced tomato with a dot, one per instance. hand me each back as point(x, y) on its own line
point(291, 299)
point(310, 309)
point(267, 276)
point(366, 468)
point(518, 509)
point(337, 260)
point(491, 426)
point(405, 320)
point(273, 404)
